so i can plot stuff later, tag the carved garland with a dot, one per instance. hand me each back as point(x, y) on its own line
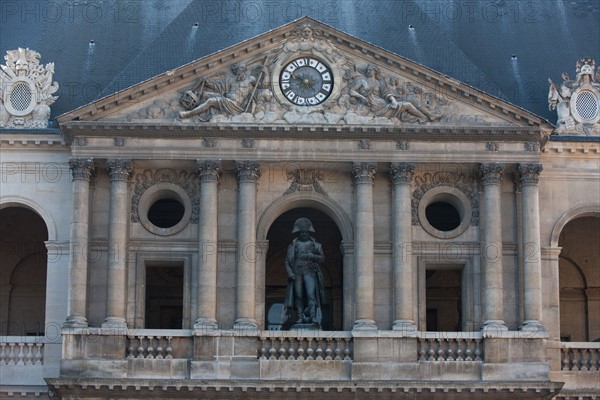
point(428, 181)
point(188, 181)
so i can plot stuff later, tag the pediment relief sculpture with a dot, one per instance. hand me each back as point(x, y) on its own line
point(577, 101)
point(307, 79)
point(26, 89)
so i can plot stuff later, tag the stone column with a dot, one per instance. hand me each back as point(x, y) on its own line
point(81, 170)
point(404, 320)
point(491, 249)
point(119, 171)
point(207, 236)
point(364, 174)
point(248, 174)
point(529, 175)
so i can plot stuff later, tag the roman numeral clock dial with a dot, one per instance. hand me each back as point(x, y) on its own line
point(306, 81)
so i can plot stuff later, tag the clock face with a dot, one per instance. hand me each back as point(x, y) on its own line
point(306, 81)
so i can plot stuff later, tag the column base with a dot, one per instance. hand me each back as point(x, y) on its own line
point(364, 325)
point(205, 325)
point(116, 324)
point(407, 327)
point(75, 321)
point(493, 328)
point(245, 324)
point(534, 327)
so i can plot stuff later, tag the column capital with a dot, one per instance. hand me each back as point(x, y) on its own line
point(364, 172)
point(209, 171)
point(491, 174)
point(81, 168)
point(247, 171)
point(402, 173)
point(529, 174)
point(119, 169)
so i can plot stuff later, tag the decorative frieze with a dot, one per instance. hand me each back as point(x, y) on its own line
point(247, 171)
point(305, 180)
point(81, 168)
point(209, 171)
point(364, 172)
point(119, 169)
point(491, 174)
point(402, 173)
point(529, 174)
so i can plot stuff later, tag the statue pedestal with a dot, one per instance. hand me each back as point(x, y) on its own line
point(306, 327)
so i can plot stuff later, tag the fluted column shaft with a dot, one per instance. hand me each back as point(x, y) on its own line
point(364, 245)
point(81, 170)
point(207, 277)
point(119, 171)
point(248, 174)
point(532, 264)
point(491, 249)
point(402, 174)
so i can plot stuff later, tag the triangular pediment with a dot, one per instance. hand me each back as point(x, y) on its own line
point(304, 73)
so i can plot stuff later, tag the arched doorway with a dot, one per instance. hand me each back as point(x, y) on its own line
point(23, 267)
point(579, 277)
point(328, 234)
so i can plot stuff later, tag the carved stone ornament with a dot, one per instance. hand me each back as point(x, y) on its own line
point(119, 169)
point(529, 174)
point(426, 181)
point(305, 180)
point(81, 168)
point(26, 89)
point(402, 173)
point(186, 180)
point(491, 174)
point(209, 171)
point(364, 172)
point(247, 171)
point(364, 144)
point(577, 101)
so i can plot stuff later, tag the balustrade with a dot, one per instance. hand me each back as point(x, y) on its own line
point(151, 344)
point(22, 351)
point(451, 347)
point(304, 347)
point(580, 356)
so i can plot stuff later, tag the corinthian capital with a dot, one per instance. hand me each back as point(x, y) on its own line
point(529, 174)
point(491, 174)
point(81, 168)
point(118, 169)
point(364, 172)
point(247, 171)
point(402, 173)
point(209, 171)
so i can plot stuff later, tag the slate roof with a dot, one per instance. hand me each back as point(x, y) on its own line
point(471, 41)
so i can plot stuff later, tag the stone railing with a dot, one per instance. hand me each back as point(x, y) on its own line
point(21, 350)
point(450, 346)
point(580, 356)
point(316, 345)
point(159, 344)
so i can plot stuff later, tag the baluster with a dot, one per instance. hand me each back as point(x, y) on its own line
point(130, 348)
point(338, 350)
point(272, 349)
point(21, 356)
point(347, 349)
point(577, 358)
point(291, 349)
point(11, 354)
point(300, 349)
point(450, 352)
point(328, 350)
point(3, 354)
point(596, 359)
point(587, 359)
point(39, 355)
point(263, 349)
point(459, 350)
point(468, 351)
point(421, 352)
point(319, 349)
point(150, 347)
point(477, 350)
point(431, 351)
point(29, 356)
point(140, 347)
point(282, 350)
point(159, 349)
point(309, 350)
point(169, 348)
point(565, 360)
point(440, 352)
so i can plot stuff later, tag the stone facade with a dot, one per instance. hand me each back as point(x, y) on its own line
point(441, 217)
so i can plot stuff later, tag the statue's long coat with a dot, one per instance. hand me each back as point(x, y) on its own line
point(289, 265)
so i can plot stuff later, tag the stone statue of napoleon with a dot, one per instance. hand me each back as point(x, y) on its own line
point(305, 292)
